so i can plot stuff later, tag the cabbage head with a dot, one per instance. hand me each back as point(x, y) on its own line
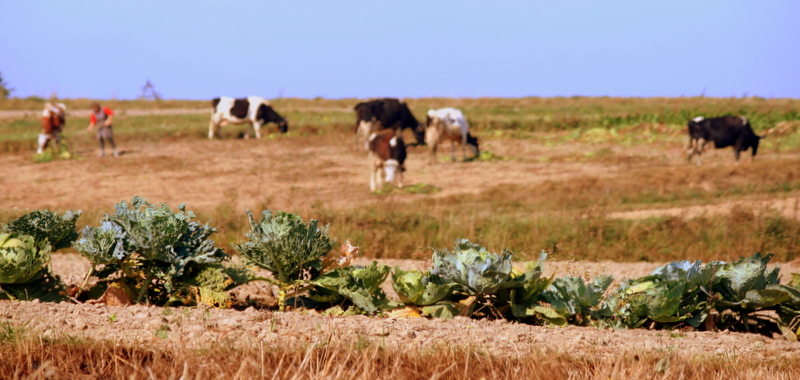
point(20, 259)
point(472, 266)
point(417, 288)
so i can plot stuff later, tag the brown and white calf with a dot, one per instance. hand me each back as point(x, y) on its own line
point(387, 153)
point(449, 124)
point(53, 121)
point(252, 110)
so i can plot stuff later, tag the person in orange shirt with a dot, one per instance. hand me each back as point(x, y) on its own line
point(102, 117)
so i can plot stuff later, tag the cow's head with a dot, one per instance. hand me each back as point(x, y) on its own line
point(409, 121)
point(419, 133)
point(283, 126)
point(268, 115)
point(395, 165)
point(695, 130)
point(472, 141)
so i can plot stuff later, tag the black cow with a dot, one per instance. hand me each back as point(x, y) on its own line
point(724, 131)
point(380, 114)
point(252, 110)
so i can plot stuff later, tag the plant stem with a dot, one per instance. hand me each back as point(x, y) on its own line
point(85, 281)
point(281, 299)
point(145, 287)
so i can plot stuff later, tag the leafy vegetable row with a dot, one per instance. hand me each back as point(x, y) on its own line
point(145, 253)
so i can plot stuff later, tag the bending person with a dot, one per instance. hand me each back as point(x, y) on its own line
point(53, 121)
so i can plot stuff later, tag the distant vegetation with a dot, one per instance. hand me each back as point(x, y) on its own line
point(565, 217)
point(5, 89)
point(596, 119)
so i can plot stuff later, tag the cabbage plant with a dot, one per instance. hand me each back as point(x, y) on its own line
point(353, 285)
point(745, 289)
point(46, 226)
point(418, 288)
point(679, 292)
point(24, 270)
point(577, 300)
point(473, 267)
point(156, 255)
point(524, 294)
point(20, 259)
point(474, 272)
point(287, 247)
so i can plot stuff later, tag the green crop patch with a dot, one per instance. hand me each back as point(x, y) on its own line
point(417, 188)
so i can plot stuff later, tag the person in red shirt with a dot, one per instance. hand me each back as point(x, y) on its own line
point(102, 117)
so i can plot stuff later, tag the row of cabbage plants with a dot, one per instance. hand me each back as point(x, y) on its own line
point(145, 253)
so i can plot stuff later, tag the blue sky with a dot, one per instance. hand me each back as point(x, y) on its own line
point(337, 49)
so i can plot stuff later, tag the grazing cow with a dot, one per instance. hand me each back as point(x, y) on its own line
point(380, 114)
point(252, 110)
point(53, 121)
point(449, 124)
point(387, 151)
point(724, 132)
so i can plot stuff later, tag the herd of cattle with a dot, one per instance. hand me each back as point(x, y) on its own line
point(379, 127)
point(380, 123)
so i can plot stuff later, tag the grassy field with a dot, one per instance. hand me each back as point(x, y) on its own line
point(627, 153)
point(581, 178)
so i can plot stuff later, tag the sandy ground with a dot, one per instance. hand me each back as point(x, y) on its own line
point(280, 172)
point(788, 207)
point(285, 172)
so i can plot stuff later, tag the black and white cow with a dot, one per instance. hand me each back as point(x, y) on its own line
point(724, 131)
point(387, 151)
point(252, 110)
point(380, 114)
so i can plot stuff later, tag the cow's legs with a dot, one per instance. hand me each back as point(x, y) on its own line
point(375, 177)
point(257, 127)
point(690, 149)
point(356, 134)
point(738, 147)
point(363, 132)
point(213, 128)
point(696, 148)
point(361, 135)
point(434, 146)
point(400, 177)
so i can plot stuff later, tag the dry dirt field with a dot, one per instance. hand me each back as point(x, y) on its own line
point(312, 172)
point(158, 329)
